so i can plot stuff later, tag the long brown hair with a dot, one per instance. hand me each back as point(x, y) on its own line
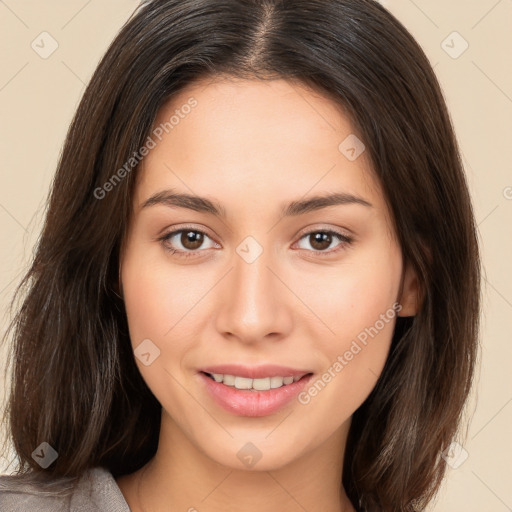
point(75, 384)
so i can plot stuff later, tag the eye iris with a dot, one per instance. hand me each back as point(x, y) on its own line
point(193, 238)
point(321, 238)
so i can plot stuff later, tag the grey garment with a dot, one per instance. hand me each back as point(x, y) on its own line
point(96, 491)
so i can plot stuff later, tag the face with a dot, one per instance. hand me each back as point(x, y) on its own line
point(255, 274)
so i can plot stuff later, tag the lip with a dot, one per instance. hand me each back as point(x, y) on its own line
point(244, 402)
point(255, 372)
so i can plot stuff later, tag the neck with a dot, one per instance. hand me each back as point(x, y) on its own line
point(182, 477)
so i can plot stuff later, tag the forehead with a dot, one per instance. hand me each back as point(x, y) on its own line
point(263, 118)
point(249, 138)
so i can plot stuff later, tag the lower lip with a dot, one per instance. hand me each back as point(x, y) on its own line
point(244, 402)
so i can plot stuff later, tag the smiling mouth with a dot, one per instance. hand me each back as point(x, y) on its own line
point(247, 384)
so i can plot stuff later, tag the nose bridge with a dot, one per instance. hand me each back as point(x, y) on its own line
point(252, 300)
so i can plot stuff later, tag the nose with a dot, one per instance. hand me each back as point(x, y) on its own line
point(254, 302)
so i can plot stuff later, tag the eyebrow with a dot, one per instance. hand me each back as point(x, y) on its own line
point(203, 204)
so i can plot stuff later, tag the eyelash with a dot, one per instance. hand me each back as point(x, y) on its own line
point(346, 241)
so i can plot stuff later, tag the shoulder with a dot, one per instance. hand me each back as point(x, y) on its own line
point(95, 491)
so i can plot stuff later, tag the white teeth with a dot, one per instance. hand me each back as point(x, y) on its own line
point(261, 384)
point(242, 383)
point(229, 380)
point(276, 382)
point(254, 384)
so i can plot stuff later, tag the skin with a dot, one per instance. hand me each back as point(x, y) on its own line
point(252, 146)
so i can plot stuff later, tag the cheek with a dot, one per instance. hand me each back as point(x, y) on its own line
point(360, 312)
point(354, 356)
point(145, 300)
point(163, 305)
point(155, 297)
point(154, 306)
point(354, 296)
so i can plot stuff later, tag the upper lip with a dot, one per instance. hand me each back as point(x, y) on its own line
point(255, 372)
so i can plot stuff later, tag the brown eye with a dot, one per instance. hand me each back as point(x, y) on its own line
point(185, 242)
point(321, 240)
point(191, 240)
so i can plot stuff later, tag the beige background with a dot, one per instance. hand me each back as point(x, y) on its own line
point(38, 98)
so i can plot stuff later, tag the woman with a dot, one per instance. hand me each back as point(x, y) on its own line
point(257, 286)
